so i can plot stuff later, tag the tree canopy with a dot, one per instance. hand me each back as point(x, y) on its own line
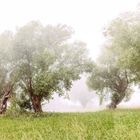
point(123, 34)
point(110, 80)
point(45, 61)
point(119, 65)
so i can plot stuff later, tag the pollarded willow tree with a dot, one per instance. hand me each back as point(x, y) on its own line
point(109, 80)
point(122, 36)
point(47, 62)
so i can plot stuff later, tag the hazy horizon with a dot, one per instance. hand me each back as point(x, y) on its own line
point(87, 18)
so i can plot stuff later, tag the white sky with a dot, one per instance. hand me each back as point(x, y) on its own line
point(87, 17)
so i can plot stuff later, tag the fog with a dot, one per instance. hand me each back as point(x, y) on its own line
point(88, 18)
point(81, 99)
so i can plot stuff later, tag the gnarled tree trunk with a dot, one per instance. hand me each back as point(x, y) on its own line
point(116, 100)
point(36, 103)
point(35, 99)
point(6, 95)
point(120, 91)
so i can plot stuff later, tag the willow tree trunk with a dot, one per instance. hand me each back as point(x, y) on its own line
point(36, 103)
point(35, 99)
point(116, 100)
point(6, 95)
point(112, 105)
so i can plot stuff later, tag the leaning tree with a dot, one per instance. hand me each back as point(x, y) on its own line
point(109, 80)
point(6, 69)
point(122, 37)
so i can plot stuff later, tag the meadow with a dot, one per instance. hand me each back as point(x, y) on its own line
point(103, 125)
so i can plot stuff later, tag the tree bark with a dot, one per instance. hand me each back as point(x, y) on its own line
point(6, 95)
point(36, 103)
point(116, 100)
point(120, 90)
point(35, 99)
point(112, 105)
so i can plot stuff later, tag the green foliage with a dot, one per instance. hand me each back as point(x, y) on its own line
point(123, 34)
point(119, 60)
point(22, 103)
point(108, 79)
point(42, 61)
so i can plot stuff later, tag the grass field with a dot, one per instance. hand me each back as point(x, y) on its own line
point(104, 125)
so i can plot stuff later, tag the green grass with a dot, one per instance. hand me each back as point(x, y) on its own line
point(104, 125)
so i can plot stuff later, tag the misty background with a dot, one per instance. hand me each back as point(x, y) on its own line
point(87, 18)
